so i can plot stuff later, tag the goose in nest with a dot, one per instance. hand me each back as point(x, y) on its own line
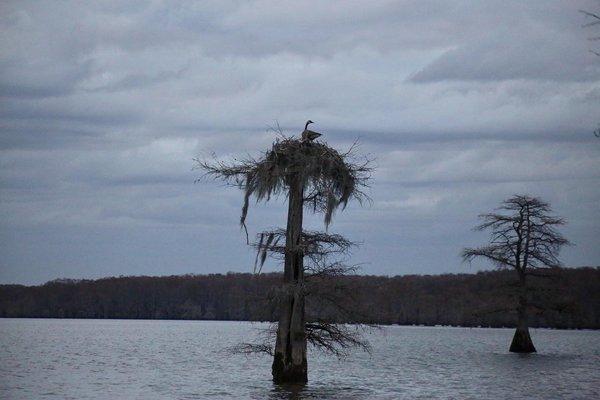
point(308, 135)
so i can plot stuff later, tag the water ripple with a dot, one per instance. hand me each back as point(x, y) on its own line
point(125, 359)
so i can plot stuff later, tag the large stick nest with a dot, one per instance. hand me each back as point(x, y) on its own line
point(329, 178)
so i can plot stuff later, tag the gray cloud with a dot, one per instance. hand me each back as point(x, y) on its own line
point(104, 106)
point(516, 54)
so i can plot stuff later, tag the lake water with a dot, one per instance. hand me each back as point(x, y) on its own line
point(129, 359)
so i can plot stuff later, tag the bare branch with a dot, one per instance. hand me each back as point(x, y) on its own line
point(595, 22)
point(596, 18)
point(251, 348)
point(316, 246)
point(336, 339)
point(522, 236)
point(263, 345)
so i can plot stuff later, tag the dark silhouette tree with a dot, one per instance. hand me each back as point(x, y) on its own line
point(524, 238)
point(315, 176)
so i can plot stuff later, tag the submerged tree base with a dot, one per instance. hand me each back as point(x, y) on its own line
point(522, 342)
point(289, 373)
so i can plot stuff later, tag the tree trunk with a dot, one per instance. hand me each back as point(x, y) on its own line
point(522, 342)
point(289, 363)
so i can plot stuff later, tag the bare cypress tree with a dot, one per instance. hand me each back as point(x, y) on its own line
point(524, 238)
point(310, 174)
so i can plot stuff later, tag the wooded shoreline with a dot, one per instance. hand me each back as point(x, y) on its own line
point(568, 300)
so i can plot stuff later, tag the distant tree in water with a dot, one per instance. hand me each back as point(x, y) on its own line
point(314, 176)
point(524, 238)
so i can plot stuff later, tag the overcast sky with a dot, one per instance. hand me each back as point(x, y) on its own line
point(461, 103)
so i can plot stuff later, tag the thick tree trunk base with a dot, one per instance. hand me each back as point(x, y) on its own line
point(290, 373)
point(289, 362)
point(521, 342)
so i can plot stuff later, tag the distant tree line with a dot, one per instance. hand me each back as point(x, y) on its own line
point(570, 299)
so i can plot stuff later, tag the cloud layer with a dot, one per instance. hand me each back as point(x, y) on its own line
point(103, 107)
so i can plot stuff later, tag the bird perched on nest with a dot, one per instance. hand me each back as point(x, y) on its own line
point(308, 135)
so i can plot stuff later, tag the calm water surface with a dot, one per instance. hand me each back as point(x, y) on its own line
point(127, 359)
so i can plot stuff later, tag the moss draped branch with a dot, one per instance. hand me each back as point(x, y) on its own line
point(330, 178)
